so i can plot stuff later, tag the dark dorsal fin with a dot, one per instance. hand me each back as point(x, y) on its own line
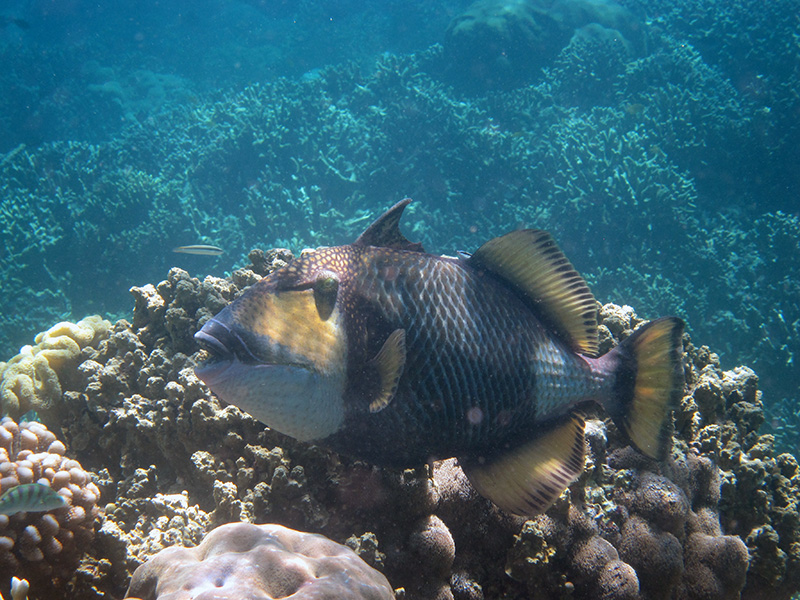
point(385, 231)
point(531, 262)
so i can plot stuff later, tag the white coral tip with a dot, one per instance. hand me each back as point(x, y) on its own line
point(19, 589)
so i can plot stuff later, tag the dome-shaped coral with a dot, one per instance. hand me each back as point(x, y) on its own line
point(504, 43)
point(240, 560)
point(44, 547)
point(501, 43)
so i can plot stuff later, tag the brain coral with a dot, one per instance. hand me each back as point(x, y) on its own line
point(44, 547)
point(30, 381)
point(241, 560)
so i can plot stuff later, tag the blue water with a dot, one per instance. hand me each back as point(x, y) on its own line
point(658, 141)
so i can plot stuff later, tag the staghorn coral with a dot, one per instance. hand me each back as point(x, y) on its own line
point(30, 380)
point(44, 547)
point(268, 561)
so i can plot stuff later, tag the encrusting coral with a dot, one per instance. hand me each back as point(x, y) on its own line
point(241, 560)
point(45, 547)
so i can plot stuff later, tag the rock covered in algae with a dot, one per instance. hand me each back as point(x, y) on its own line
point(44, 547)
point(241, 560)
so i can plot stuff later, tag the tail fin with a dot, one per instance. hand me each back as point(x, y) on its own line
point(648, 384)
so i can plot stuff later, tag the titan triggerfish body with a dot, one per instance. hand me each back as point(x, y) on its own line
point(385, 353)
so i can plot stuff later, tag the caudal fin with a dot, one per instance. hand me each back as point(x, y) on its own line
point(648, 384)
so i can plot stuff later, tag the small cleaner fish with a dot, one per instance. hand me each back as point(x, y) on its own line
point(30, 497)
point(385, 353)
point(199, 250)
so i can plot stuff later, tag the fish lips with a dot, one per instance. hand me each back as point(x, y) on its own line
point(215, 372)
point(231, 356)
point(227, 350)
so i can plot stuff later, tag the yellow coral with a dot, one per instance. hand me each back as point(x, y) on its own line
point(30, 379)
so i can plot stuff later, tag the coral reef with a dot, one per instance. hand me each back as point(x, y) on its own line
point(675, 146)
point(755, 48)
point(44, 547)
point(717, 519)
point(267, 561)
point(654, 145)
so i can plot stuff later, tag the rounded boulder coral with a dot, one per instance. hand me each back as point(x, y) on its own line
point(44, 547)
point(240, 560)
point(500, 44)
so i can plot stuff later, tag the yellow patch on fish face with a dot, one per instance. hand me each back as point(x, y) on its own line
point(294, 323)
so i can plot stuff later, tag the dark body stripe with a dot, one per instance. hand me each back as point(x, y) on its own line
point(475, 351)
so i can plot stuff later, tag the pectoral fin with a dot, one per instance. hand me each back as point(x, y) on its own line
point(530, 478)
point(389, 362)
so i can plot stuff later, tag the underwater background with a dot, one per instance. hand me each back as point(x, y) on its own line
point(658, 141)
point(664, 160)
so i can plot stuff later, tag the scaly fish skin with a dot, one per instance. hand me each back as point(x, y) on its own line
point(382, 352)
point(480, 371)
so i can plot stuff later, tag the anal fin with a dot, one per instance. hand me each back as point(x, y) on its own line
point(527, 480)
point(389, 362)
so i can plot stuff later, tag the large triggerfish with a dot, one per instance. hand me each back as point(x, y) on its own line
point(385, 353)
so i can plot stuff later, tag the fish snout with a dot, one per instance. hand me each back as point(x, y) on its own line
point(224, 343)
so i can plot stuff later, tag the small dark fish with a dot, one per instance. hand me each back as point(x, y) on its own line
point(199, 249)
point(383, 352)
point(30, 497)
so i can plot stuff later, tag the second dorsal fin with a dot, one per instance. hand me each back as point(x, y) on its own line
point(530, 261)
point(385, 231)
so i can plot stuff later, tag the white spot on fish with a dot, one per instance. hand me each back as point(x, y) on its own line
point(475, 415)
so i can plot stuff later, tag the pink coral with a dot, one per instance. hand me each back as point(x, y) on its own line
point(241, 560)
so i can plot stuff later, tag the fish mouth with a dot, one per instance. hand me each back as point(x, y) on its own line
point(226, 349)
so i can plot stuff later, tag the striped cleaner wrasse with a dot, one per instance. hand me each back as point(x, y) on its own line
point(385, 353)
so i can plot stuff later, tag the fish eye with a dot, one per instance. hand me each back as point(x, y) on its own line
point(325, 291)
